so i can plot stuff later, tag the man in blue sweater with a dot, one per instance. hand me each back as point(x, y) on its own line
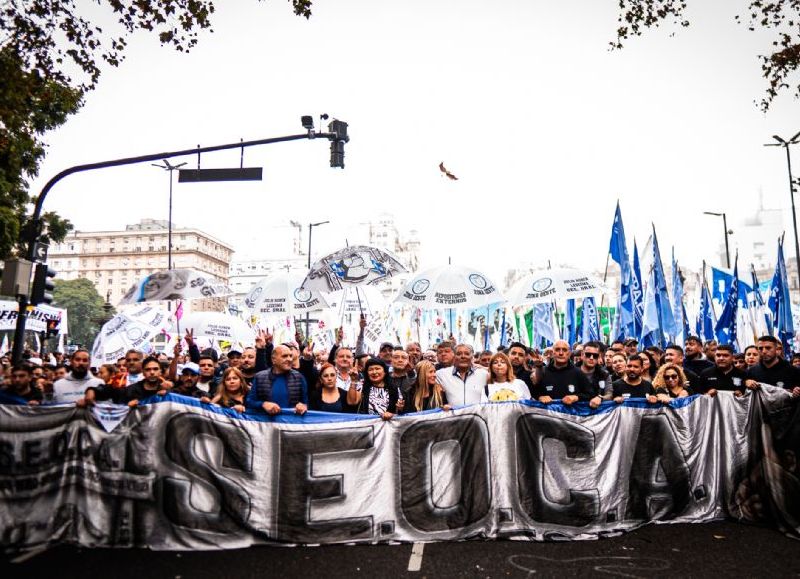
point(279, 387)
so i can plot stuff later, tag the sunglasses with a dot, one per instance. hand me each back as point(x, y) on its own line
point(591, 355)
point(670, 376)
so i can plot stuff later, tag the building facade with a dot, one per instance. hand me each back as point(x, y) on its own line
point(115, 260)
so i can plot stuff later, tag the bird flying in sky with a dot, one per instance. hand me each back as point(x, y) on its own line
point(446, 172)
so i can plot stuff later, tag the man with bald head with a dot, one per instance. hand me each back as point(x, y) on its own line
point(281, 386)
point(562, 381)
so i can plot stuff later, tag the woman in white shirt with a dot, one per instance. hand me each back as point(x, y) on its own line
point(502, 385)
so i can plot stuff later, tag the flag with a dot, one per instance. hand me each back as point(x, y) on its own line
point(665, 317)
point(179, 311)
point(618, 249)
point(570, 325)
point(721, 282)
point(637, 294)
point(678, 311)
point(779, 304)
point(760, 304)
point(651, 328)
point(543, 332)
point(705, 317)
point(591, 331)
point(726, 325)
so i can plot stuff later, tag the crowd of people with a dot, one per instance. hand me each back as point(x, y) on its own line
point(270, 378)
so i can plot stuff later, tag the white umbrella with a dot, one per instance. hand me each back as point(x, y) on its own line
point(282, 295)
point(175, 284)
point(133, 328)
point(218, 326)
point(357, 265)
point(356, 300)
point(546, 285)
point(450, 286)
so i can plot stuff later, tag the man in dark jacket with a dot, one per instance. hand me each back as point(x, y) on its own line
point(772, 369)
point(518, 355)
point(279, 387)
point(724, 375)
point(561, 380)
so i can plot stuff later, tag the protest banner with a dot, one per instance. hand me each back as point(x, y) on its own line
point(178, 474)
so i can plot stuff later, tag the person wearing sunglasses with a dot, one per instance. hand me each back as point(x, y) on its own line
point(594, 371)
point(670, 382)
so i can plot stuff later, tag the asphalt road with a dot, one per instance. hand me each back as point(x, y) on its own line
point(723, 549)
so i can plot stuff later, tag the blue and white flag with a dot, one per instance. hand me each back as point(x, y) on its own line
point(721, 282)
point(705, 316)
point(726, 325)
point(780, 305)
point(759, 303)
point(651, 327)
point(666, 319)
point(570, 323)
point(678, 311)
point(543, 332)
point(637, 293)
point(618, 249)
point(590, 326)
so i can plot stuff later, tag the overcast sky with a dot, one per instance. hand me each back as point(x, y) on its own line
point(522, 100)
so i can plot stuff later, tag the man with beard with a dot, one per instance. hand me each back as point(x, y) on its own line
point(187, 383)
point(694, 359)
point(72, 388)
point(590, 366)
point(772, 369)
point(517, 355)
point(206, 381)
point(152, 383)
point(632, 385)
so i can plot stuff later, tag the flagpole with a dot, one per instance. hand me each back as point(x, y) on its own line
point(602, 299)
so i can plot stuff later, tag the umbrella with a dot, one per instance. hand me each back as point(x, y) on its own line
point(544, 286)
point(450, 286)
point(356, 265)
point(175, 284)
point(282, 295)
point(357, 300)
point(219, 326)
point(133, 328)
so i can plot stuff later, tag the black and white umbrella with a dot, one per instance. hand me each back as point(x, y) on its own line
point(352, 266)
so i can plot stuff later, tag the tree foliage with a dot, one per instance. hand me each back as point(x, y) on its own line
point(782, 17)
point(51, 54)
point(84, 308)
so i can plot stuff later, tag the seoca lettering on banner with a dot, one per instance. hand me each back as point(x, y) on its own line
point(488, 470)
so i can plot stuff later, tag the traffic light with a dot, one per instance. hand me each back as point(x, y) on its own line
point(52, 326)
point(42, 285)
point(339, 130)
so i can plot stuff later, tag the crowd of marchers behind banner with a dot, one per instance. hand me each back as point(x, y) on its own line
point(399, 379)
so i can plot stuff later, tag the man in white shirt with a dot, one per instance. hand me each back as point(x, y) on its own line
point(463, 382)
point(72, 388)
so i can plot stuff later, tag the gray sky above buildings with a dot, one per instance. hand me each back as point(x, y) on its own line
point(523, 101)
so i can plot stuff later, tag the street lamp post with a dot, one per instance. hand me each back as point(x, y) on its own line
point(310, 227)
point(785, 144)
point(166, 166)
point(725, 225)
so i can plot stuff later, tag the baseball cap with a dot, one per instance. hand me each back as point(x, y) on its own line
point(190, 368)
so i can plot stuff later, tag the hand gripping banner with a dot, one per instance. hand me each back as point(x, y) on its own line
point(177, 474)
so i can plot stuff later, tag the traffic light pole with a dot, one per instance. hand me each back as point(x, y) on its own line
point(337, 138)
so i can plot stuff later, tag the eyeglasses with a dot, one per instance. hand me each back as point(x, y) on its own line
point(670, 376)
point(591, 355)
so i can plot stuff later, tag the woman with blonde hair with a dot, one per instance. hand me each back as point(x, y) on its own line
point(670, 382)
point(502, 384)
point(426, 393)
point(232, 390)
